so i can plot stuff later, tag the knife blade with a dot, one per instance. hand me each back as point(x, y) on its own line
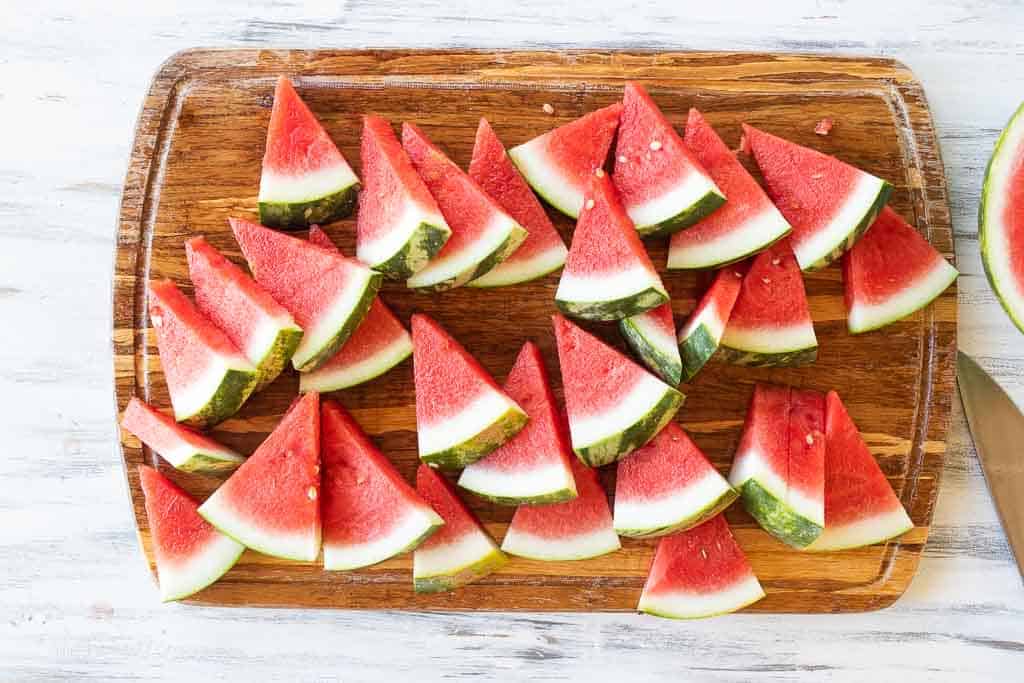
point(997, 427)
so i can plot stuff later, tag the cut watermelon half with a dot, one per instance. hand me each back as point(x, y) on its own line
point(461, 413)
point(1001, 219)
point(399, 227)
point(829, 203)
point(543, 251)
point(746, 224)
point(460, 551)
point(699, 573)
point(207, 377)
point(378, 344)
point(185, 449)
point(326, 293)
point(576, 529)
point(190, 554)
point(259, 326)
point(369, 512)
point(652, 336)
point(890, 273)
point(770, 323)
point(700, 336)
point(533, 466)
point(663, 186)
point(608, 274)
point(559, 163)
point(614, 405)
point(667, 486)
point(305, 178)
point(860, 506)
point(272, 502)
point(482, 233)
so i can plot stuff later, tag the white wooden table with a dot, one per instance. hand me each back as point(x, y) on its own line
point(76, 601)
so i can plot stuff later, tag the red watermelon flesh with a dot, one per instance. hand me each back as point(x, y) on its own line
point(272, 502)
point(746, 224)
point(184, 448)
point(764, 445)
point(891, 272)
point(296, 142)
point(805, 476)
point(370, 513)
point(700, 336)
point(190, 554)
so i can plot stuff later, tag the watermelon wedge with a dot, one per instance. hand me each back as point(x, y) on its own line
point(543, 251)
point(666, 486)
point(190, 554)
point(461, 413)
point(652, 336)
point(305, 178)
point(890, 273)
point(559, 163)
point(576, 529)
point(614, 405)
point(326, 293)
point(207, 377)
point(860, 505)
point(699, 573)
point(460, 551)
point(770, 323)
point(663, 186)
point(399, 227)
point(1001, 219)
point(482, 233)
point(186, 450)
point(700, 336)
point(272, 502)
point(533, 466)
point(747, 224)
point(260, 327)
point(377, 345)
point(829, 203)
point(608, 274)
point(369, 512)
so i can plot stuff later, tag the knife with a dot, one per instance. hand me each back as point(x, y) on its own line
point(997, 426)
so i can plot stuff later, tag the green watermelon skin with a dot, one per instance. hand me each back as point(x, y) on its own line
point(429, 240)
point(776, 517)
point(691, 216)
point(481, 445)
point(752, 359)
point(696, 352)
point(611, 449)
point(615, 309)
point(298, 215)
point(664, 360)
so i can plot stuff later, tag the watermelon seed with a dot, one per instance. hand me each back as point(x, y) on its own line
point(311, 493)
point(765, 280)
point(590, 204)
point(622, 159)
point(737, 273)
point(548, 109)
point(599, 173)
point(157, 320)
point(704, 553)
point(810, 440)
point(776, 261)
point(656, 145)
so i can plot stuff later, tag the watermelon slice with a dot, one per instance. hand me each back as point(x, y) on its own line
point(399, 227)
point(272, 502)
point(482, 233)
point(700, 336)
point(652, 336)
point(305, 178)
point(1001, 219)
point(576, 529)
point(559, 163)
point(747, 224)
point(607, 275)
point(378, 344)
point(663, 186)
point(461, 413)
point(186, 450)
point(207, 377)
point(190, 554)
point(770, 323)
point(890, 273)
point(860, 505)
point(460, 551)
point(829, 203)
point(326, 293)
point(666, 486)
point(259, 326)
point(779, 467)
point(614, 405)
point(533, 466)
point(699, 573)
point(369, 512)
point(543, 251)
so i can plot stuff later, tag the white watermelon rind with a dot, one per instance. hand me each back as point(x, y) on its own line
point(407, 248)
point(444, 568)
point(416, 527)
point(682, 206)
point(328, 378)
point(204, 461)
point(549, 483)
point(501, 240)
point(513, 272)
point(478, 430)
point(756, 234)
point(610, 296)
point(274, 355)
point(677, 511)
point(853, 219)
point(863, 532)
point(201, 571)
point(780, 513)
point(320, 197)
point(220, 514)
point(532, 161)
point(579, 547)
point(690, 605)
point(863, 318)
point(216, 396)
point(659, 354)
point(769, 347)
point(319, 344)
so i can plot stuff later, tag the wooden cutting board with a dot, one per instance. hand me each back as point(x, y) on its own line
point(196, 161)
